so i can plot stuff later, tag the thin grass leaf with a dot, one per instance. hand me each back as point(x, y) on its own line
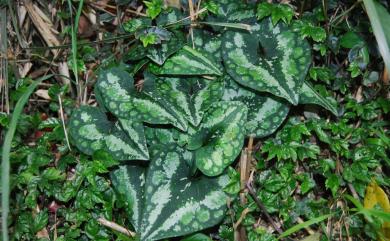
point(355, 202)
point(379, 214)
point(306, 224)
point(380, 18)
point(74, 41)
point(5, 165)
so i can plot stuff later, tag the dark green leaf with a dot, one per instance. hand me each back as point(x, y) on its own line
point(350, 40)
point(309, 95)
point(135, 24)
point(159, 53)
point(124, 101)
point(91, 131)
point(40, 221)
point(266, 113)
point(191, 97)
point(197, 237)
point(167, 203)
point(219, 137)
point(187, 61)
point(333, 183)
point(270, 59)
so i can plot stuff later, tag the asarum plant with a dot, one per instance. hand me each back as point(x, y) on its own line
point(198, 104)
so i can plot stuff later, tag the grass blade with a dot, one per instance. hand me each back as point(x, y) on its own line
point(5, 164)
point(74, 43)
point(230, 25)
point(304, 225)
point(355, 202)
point(380, 19)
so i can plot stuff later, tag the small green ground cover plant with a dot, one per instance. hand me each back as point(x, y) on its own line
point(156, 153)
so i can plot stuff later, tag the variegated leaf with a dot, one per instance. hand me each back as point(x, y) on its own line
point(123, 100)
point(310, 96)
point(165, 201)
point(270, 59)
point(136, 52)
point(135, 131)
point(129, 183)
point(233, 11)
point(99, 100)
point(170, 16)
point(227, 7)
point(157, 135)
point(190, 96)
point(211, 45)
point(91, 131)
point(265, 112)
point(187, 61)
point(160, 53)
point(220, 137)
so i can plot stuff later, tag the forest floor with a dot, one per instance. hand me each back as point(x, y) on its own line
point(319, 176)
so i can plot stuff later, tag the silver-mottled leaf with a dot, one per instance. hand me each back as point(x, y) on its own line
point(136, 132)
point(170, 16)
point(186, 62)
point(219, 139)
point(208, 43)
point(173, 203)
point(232, 11)
point(160, 53)
point(91, 131)
point(265, 112)
point(270, 59)
point(124, 101)
point(129, 183)
point(190, 96)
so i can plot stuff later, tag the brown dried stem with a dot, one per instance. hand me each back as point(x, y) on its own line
point(116, 227)
point(262, 208)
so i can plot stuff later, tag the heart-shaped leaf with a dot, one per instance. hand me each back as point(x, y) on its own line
point(211, 45)
point(123, 100)
point(269, 59)
point(159, 53)
point(310, 96)
point(266, 112)
point(226, 7)
point(232, 11)
point(164, 201)
point(136, 52)
point(219, 139)
point(91, 131)
point(187, 61)
point(170, 16)
point(190, 96)
point(157, 136)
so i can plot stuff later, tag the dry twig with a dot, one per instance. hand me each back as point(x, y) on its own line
point(63, 122)
point(43, 24)
point(116, 227)
point(262, 208)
